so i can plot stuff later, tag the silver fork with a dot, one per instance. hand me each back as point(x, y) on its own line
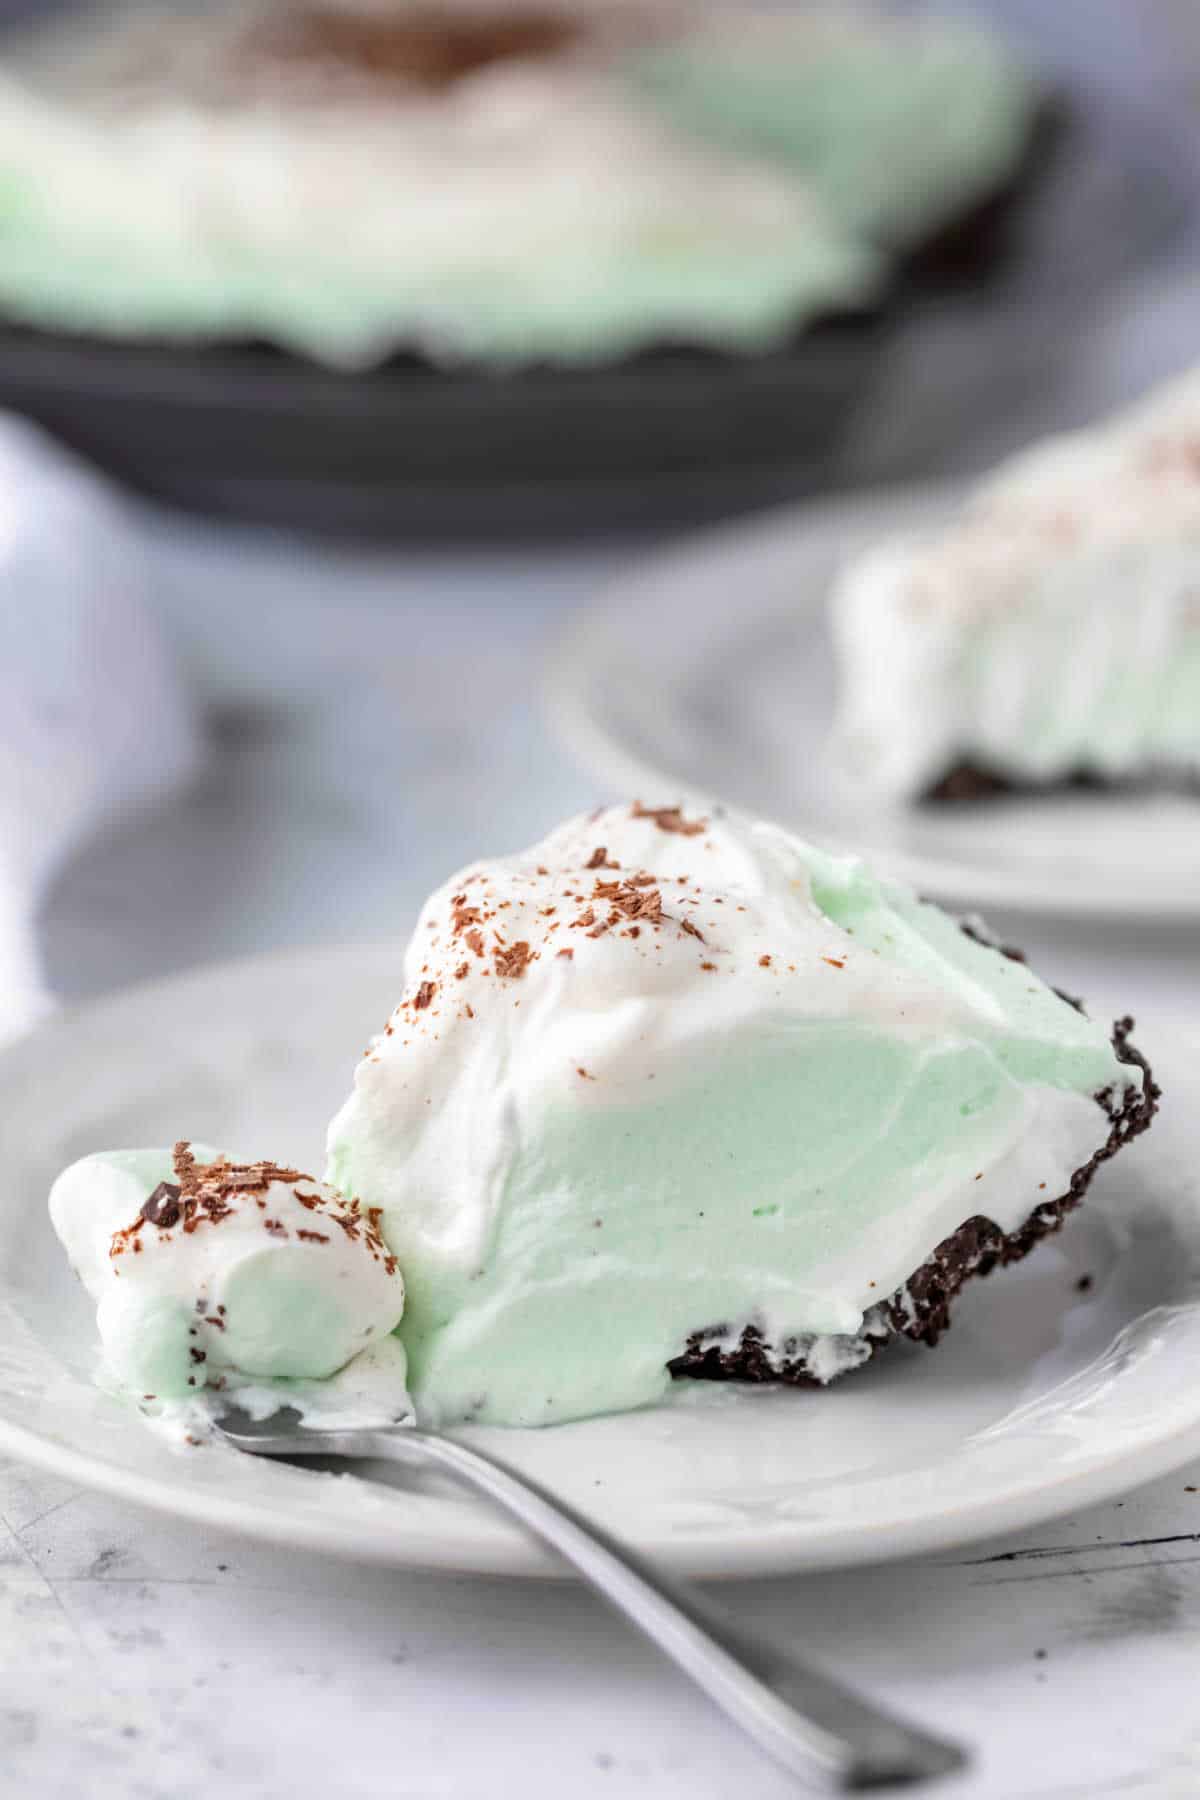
point(808, 1722)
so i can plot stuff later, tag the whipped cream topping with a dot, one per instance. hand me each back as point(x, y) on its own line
point(1052, 628)
point(665, 1074)
point(206, 1272)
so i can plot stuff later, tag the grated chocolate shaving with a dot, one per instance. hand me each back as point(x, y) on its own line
point(670, 819)
point(512, 961)
point(462, 915)
point(203, 1195)
point(626, 900)
point(163, 1207)
point(423, 46)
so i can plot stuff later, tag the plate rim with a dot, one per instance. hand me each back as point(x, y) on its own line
point(485, 1544)
point(507, 1554)
point(589, 637)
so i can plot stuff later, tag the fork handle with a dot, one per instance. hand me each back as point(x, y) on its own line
point(808, 1722)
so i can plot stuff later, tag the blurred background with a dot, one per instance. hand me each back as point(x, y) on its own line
point(353, 577)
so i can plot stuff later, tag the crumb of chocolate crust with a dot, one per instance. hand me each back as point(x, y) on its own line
point(424, 995)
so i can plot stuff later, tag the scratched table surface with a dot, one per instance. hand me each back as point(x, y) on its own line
point(372, 722)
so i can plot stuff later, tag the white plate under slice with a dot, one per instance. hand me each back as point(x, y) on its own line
point(1043, 1398)
point(708, 673)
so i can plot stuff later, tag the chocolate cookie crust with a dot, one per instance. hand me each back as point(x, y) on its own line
point(921, 1308)
point(970, 782)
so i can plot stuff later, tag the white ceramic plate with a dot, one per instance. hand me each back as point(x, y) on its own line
point(1042, 1399)
point(708, 673)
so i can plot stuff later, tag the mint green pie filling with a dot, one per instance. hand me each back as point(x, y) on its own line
point(897, 131)
point(578, 310)
point(789, 1171)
